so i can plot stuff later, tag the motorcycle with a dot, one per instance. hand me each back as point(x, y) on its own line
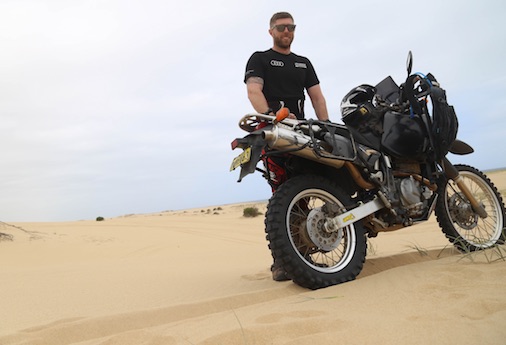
point(384, 169)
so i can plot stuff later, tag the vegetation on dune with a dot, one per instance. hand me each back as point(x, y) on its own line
point(251, 212)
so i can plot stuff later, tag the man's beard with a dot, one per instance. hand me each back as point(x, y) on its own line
point(282, 42)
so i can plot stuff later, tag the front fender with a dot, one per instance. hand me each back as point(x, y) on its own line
point(459, 147)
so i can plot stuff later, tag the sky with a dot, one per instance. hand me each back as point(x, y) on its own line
point(115, 107)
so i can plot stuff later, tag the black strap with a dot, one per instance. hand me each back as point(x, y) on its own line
point(408, 94)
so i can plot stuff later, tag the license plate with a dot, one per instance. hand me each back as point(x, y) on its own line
point(244, 157)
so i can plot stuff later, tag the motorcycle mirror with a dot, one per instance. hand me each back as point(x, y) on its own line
point(409, 62)
point(281, 114)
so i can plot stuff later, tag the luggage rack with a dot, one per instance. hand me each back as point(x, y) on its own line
point(316, 130)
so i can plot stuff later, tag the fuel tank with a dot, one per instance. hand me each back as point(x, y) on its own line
point(404, 136)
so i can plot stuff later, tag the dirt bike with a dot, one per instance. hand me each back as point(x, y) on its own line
point(384, 169)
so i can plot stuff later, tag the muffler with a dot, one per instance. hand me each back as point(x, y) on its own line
point(282, 139)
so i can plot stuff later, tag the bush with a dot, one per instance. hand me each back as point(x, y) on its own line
point(99, 219)
point(251, 212)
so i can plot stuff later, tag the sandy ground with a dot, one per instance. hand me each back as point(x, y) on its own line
point(202, 276)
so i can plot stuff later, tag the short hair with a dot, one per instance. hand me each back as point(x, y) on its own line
point(279, 15)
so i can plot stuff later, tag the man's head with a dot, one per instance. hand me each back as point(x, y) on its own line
point(282, 30)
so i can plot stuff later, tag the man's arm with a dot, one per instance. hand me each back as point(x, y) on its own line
point(318, 101)
point(255, 86)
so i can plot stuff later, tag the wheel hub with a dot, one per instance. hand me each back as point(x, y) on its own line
point(462, 212)
point(322, 239)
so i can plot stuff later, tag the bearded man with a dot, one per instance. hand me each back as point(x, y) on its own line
point(277, 78)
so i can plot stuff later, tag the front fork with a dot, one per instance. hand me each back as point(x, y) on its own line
point(453, 173)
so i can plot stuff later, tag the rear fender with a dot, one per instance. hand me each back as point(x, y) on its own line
point(257, 144)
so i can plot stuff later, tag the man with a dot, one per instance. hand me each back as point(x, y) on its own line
point(277, 78)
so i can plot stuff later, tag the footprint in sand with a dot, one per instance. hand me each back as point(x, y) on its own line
point(258, 276)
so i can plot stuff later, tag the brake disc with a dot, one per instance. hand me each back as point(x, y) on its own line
point(322, 239)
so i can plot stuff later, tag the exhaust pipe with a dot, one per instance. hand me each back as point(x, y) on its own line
point(282, 139)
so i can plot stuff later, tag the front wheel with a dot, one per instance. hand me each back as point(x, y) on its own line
point(461, 225)
point(312, 257)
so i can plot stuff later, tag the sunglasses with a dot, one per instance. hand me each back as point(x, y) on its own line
point(282, 27)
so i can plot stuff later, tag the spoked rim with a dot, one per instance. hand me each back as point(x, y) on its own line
point(480, 232)
point(324, 252)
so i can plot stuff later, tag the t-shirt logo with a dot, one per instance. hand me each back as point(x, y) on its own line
point(300, 65)
point(277, 63)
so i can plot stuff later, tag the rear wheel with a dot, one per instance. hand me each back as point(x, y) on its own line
point(461, 225)
point(311, 256)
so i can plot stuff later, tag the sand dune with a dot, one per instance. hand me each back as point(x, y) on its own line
point(202, 276)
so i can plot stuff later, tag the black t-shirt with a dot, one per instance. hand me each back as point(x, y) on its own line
point(285, 78)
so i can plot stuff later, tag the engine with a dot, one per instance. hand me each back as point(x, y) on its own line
point(413, 196)
point(409, 198)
